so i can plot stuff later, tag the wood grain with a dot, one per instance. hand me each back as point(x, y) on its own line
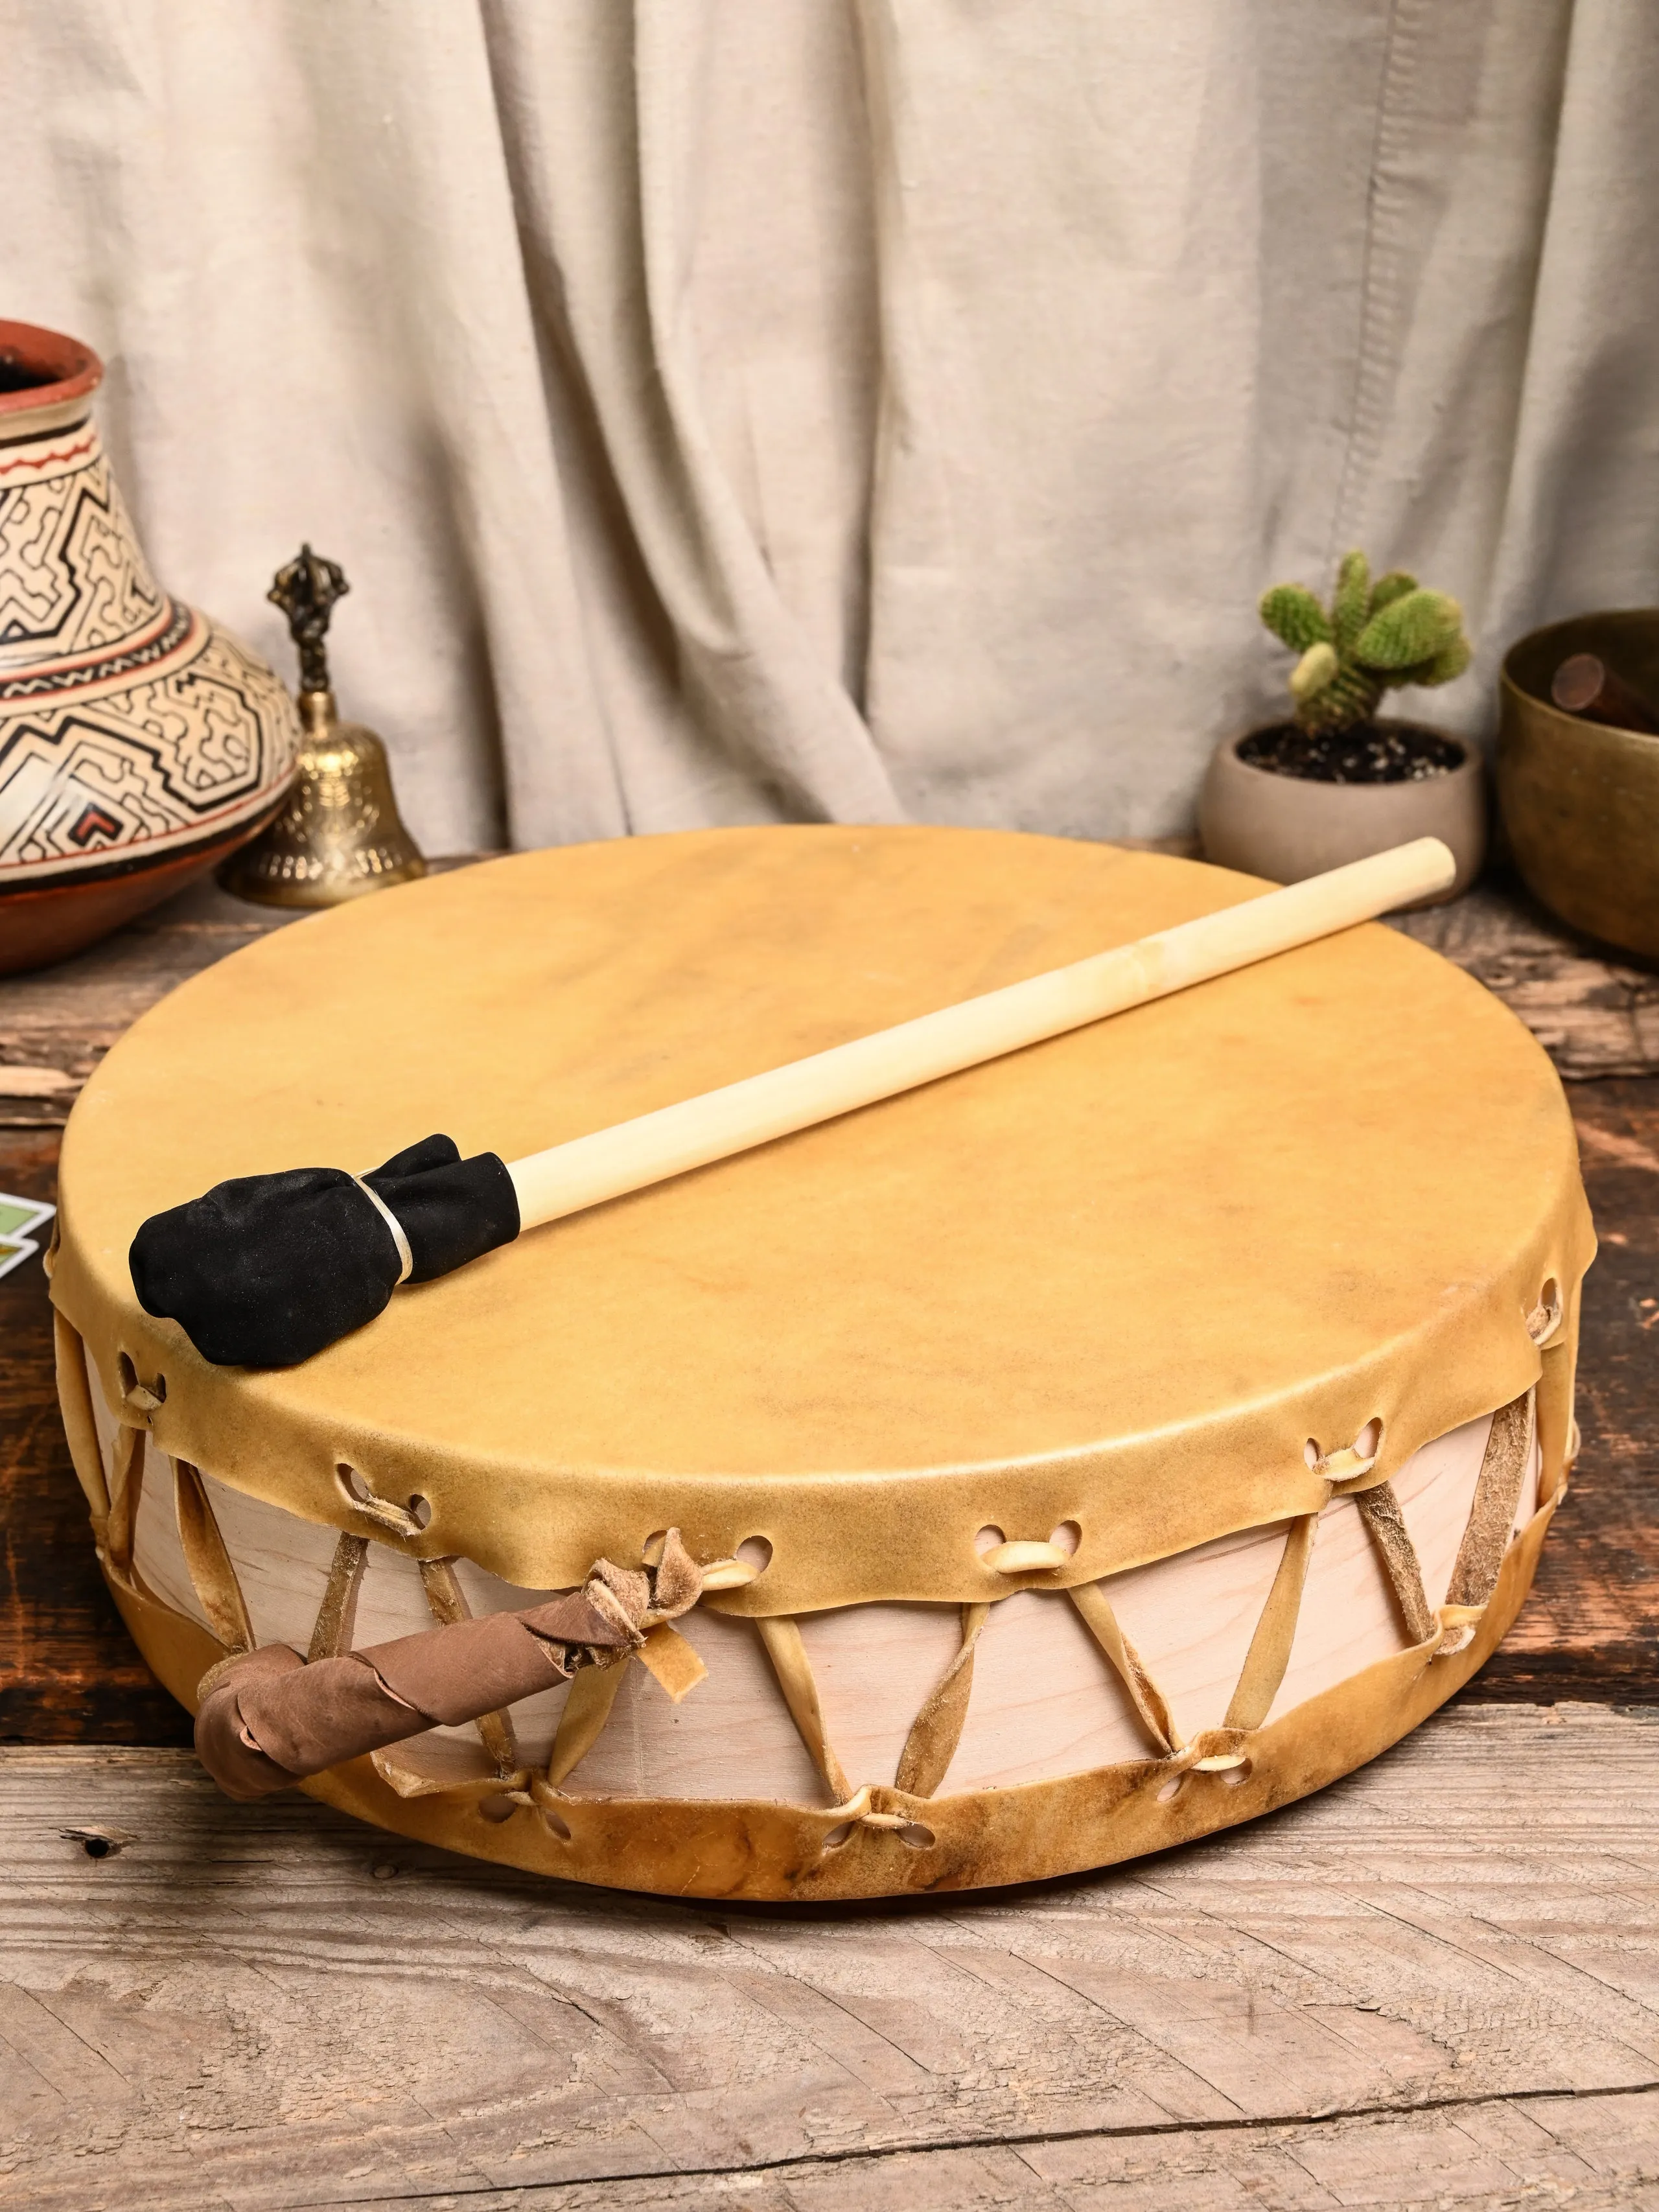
point(1593, 1010)
point(1591, 1626)
point(56, 1025)
point(1592, 2152)
point(263, 2005)
point(68, 1668)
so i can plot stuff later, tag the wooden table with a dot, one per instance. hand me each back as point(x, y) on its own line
point(1436, 1982)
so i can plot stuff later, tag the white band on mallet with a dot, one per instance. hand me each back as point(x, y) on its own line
point(611, 1161)
point(404, 1255)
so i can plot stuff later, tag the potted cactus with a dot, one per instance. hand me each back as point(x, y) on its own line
point(1334, 783)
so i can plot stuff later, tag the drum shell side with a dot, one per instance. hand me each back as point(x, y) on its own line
point(759, 1852)
point(765, 1850)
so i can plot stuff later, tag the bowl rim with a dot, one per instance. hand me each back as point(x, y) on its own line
point(1508, 681)
point(72, 369)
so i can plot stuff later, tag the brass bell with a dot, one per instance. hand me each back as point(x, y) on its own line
point(340, 833)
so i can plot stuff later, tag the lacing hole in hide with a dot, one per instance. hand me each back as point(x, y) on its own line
point(651, 1550)
point(1234, 1776)
point(1345, 1463)
point(126, 1374)
point(355, 1486)
point(918, 1837)
point(419, 1511)
point(1545, 1317)
point(754, 1552)
point(987, 1539)
point(1066, 1537)
point(496, 1809)
point(560, 1827)
point(1172, 1789)
point(837, 1837)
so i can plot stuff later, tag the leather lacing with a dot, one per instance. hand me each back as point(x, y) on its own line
point(633, 1610)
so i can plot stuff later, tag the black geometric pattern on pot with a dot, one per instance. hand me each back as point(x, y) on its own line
point(55, 679)
point(136, 766)
point(71, 578)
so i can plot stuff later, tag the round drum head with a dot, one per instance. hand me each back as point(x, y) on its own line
point(1194, 1388)
point(1203, 1232)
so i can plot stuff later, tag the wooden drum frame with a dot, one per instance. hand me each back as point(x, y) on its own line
point(1123, 1438)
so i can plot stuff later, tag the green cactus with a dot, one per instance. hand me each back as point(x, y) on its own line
point(1374, 635)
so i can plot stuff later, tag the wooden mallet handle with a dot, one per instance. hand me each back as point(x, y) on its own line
point(631, 1155)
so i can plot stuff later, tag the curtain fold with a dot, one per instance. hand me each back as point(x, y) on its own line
point(749, 410)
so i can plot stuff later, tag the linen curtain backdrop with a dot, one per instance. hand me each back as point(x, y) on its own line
point(848, 409)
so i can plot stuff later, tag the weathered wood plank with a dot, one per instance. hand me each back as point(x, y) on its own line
point(58, 1024)
point(1592, 2152)
point(1595, 1012)
point(68, 1670)
point(1591, 1625)
point(267, 2005)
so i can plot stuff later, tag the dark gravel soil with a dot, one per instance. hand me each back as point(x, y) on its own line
point(1370, 752)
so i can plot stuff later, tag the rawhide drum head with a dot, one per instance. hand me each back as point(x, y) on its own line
point(1116, 1441)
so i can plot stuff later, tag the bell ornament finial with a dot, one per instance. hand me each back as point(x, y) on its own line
point(306, 591)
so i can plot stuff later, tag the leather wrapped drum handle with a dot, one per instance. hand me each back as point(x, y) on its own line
point(587, 1170)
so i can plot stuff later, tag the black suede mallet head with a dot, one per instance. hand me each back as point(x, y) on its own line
point(265, 1270)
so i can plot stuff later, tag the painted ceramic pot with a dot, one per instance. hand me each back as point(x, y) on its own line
point(139, 742)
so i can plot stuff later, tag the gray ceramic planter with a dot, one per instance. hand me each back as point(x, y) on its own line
point(1285, 829)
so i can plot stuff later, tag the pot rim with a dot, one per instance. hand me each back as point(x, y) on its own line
point(1471, 763)
point(72, 369)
